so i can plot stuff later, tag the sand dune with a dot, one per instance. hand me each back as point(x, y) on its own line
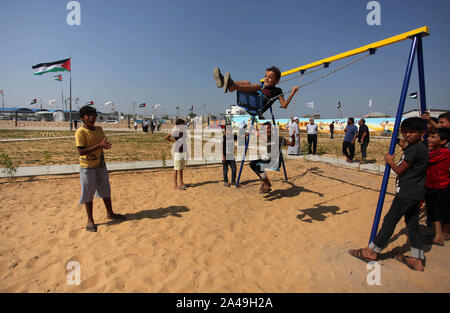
point(209, 238)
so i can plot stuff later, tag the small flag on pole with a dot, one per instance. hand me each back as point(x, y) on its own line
point(58, 77)
point(339, 105)
point(142, 105)
point(50, 102)
point(90, 103)
point(108, 103)
point(33, 101)
point(413, 95)
point(310, 105)
point(370, 102)
point(1, 91)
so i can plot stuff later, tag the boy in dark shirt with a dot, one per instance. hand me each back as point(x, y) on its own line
point(269, 89)
point(228, 156)
point(363, 139)
point(410, 189)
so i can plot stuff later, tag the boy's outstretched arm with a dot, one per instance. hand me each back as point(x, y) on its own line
point(284, 103)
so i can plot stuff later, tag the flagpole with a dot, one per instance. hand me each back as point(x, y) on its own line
point(70, 103)
point(62, 97)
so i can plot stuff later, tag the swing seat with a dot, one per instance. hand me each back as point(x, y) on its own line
point(253, 103)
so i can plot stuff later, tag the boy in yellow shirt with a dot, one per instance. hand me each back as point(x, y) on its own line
point(90, 141)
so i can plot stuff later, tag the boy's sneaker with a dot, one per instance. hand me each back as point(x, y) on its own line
point(218, 77)
point(227, 82)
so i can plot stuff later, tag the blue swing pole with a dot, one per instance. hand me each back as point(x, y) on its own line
point(247, 140)
point(422, 95)
point(398, 118)
point(281, 152)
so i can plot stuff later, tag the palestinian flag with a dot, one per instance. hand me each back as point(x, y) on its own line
point(413, 95)
point(1, 91)
point(90, 103)
point(142, 105)
point(339, 105)
point(33, 101)
point(58, 77)
point(58, 66)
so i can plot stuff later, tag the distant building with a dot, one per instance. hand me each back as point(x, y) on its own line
point(235, 110)
point(415, 113)
point(377, 115)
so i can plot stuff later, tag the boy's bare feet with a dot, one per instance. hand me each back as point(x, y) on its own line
point(413, 263)
point(218, 77)
point(365, 254)
point(438, 241)
point(227, 82)
point(90, 226)
point(115, 216)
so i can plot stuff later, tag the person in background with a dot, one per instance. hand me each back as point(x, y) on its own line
point(332, 130)
point(312, 130)
point(363, 139)
point(294, 130)
point(348, 146)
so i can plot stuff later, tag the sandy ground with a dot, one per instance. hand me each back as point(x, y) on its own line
point(208, 238)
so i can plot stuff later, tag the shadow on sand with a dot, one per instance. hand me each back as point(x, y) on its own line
point(319, 213)
point(153, 214)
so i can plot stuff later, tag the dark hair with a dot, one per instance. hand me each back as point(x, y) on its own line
point(266, 123)
point(414, 123)
point(276, 70)
point(351, 119)
point(87, 110)
point(363, 120)
point(434, 119)
point(445, 115)
point(442, 132)
point(180, 121)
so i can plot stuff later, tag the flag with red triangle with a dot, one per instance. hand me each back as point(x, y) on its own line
point(57, 66)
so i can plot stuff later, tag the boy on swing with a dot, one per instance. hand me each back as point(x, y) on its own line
point(270, 91)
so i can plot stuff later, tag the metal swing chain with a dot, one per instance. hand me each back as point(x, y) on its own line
point(320, 77)
point(334, 71)
point(295, 97)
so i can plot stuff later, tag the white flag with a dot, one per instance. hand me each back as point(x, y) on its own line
point(157, 106)
point(370, 103)
point(108, 103)
point(51, 101)
point(310, 105)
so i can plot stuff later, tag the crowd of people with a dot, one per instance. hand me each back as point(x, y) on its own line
point(422, 178)
point(422, 173)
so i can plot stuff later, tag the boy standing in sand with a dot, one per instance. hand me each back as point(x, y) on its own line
point(228, 155)
point(437, 184)
point(410, 184)
point(270, 91)
point(178, 152)
point(90, 141)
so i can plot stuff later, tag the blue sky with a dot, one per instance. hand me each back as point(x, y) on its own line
point(163, 52)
